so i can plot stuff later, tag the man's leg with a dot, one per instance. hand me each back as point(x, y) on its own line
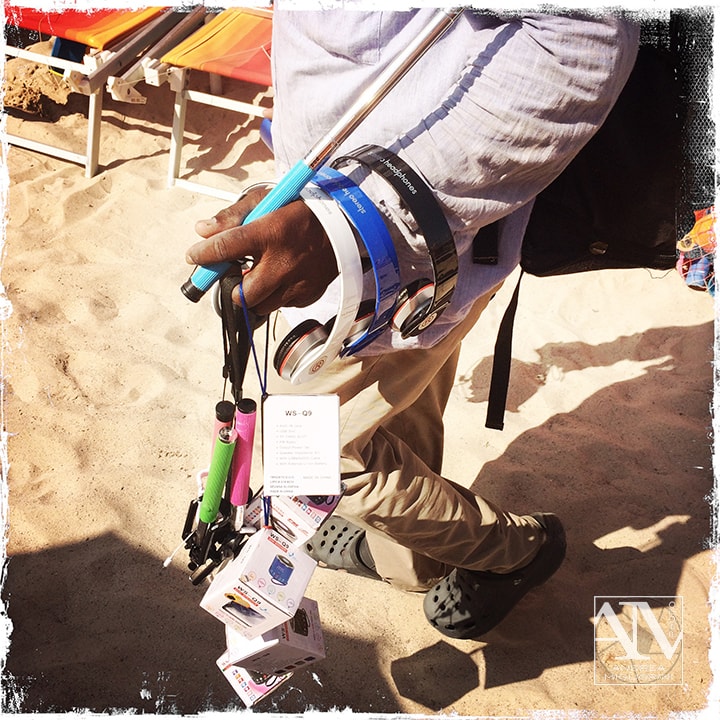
point(392, 435)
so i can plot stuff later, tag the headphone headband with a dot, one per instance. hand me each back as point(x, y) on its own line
point(371, 228)
point(422, 204)
point(307, 349)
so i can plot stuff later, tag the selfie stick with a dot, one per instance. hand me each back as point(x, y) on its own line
point(289, 187)
point(216, 479)
point(224, 417)
point(245, 417)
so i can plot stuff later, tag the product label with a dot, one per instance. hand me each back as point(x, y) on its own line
point(301, 445)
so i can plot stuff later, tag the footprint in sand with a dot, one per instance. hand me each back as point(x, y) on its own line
point(139, 384)
point(92, 307)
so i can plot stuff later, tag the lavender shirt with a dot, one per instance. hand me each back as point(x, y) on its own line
point(489, 116)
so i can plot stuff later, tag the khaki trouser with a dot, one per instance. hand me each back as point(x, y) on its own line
point(419, 524)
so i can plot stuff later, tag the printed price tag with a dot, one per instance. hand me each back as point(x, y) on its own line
point(301, 445)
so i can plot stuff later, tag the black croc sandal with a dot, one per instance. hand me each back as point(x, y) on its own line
point(337, 546)
point(467, 604)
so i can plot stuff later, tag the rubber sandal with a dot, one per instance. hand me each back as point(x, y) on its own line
point(467, 603)
point(337, 546)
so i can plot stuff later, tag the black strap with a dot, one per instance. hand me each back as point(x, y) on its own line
point(236, 339)
point(500, 377)
point(486, 243)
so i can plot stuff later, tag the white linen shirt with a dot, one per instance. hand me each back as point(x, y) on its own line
point(489, 116)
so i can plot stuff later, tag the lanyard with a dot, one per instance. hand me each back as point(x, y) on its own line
point(239, 325)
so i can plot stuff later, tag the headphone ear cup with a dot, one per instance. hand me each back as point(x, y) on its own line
point(299, 341)
point(415, 301)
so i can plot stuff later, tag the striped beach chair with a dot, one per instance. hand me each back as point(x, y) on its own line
point(109, 40)
point(235, 44)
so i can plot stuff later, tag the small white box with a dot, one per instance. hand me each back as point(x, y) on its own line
point(297, 518)
point(262, 587)
point(252, 687)
point(293, 644)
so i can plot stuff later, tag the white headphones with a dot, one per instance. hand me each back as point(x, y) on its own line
point(308, 347)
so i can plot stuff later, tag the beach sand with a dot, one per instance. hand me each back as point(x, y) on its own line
point(111, 377)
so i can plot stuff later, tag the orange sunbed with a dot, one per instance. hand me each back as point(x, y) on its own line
point(114, 39)
point(95, 28)
point(235, 44)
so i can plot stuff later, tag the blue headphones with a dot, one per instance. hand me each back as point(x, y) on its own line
point(374, 316)
point(422, 301)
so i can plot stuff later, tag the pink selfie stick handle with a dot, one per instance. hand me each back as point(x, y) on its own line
point(245, 416)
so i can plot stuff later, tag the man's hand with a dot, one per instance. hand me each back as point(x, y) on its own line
point(293, 260)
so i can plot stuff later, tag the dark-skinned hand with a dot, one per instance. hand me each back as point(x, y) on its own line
point(293, 260)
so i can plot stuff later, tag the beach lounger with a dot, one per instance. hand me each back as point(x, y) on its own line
point(113, 40)
point(124, 87)
point(235, 44)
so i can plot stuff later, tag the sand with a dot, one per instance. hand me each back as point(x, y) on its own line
point(111, 377)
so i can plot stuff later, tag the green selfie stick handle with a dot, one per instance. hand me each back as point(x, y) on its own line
point(217, 474)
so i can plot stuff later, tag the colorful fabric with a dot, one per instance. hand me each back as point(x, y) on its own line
point(696, 252)
point(235, 44)
point(95, 28)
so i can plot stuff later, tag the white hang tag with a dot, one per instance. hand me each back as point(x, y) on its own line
point(301, 445)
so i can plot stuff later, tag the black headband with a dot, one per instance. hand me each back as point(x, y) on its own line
point(420, 202)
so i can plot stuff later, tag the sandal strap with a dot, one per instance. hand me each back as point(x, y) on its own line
point(337, 545)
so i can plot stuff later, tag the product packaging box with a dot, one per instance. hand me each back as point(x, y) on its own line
point(293, 644)
point(262, 587)
point(297, 518)
point(250, 686)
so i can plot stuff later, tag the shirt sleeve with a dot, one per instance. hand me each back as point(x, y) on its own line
point(489, 117)
point(519, 112)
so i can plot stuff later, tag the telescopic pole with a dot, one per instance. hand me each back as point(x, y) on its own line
point(289, 187)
